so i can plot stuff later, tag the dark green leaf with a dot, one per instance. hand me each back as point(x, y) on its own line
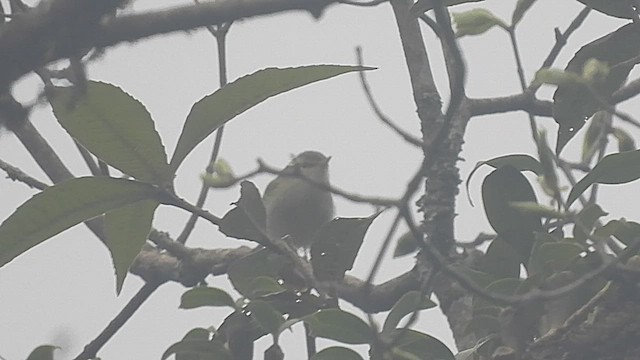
point(42, 352)
point(405, 245)
point(616, 8)
point(269, 318)
point(500, 189)
point(64, 205)
point(521, 162)
point(521, 7)
point(556, 256)
point(127, 229)
point(115, 127)
point(501, 260)
point(336, 353)
point(422, 346)
point(506, 286)
point(264, 285)
point(248, 219)
point(574, 104)
point(200, 349)
point(408, 303)
point(587, 218)
point(483, 325)
point(475, 22)
point(205, 296)
point(339, 325)
point(625, 231)
point(243, 272)
point(274, 352)
point(194, 334)
point(216, 109)
point(336, 245)
point(617, 168)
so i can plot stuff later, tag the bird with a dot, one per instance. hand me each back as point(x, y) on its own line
point(295, 207)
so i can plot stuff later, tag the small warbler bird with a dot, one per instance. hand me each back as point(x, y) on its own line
point(296, 207)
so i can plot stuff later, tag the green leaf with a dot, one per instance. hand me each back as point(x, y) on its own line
point(336, 353)
point(574, 104)
point(127, 230)
point(500, 260)
point(587, 218)
point(422, 6)
point(556, 256)
point(205, 296)
point(537, 209)
point(407, 304)
point(617, 168)
point(248, 219)
point(336, 245)
point(265, 285)
point(506, 286)
point(557, 77)
point(194, 334)
point(243, 272)
point(420, 345)
point(625, 231)
point(64, 205)
point(475, 22)
point(550, 177)
point(269, 318)
point(521, 7)
point(339, 325)
point(616, 8)
point(42, 352)
point(483, 325)
point(216, 109)
point(500, 189)
point(198, 349)
point(405, 245)
point(521, 162)
point(115, 127)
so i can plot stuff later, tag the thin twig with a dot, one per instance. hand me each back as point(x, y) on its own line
point(16, 174)
point(376, 109)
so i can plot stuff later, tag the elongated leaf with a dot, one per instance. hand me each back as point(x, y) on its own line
point(336, 245)
point(127, 230)
point(422, 6)
point(617, 168)
point(573, 105)
point(243, 272)
point(408, 303)
point(216, 109)
point(64, 205)
point(205, 296)
point(521, 8)
point(248, 219)
point(406, 244)
point(521, 162)
point(115, 127)
point(501, 260)
point(339, 325)
point(198, 349)
point(269, 318)
point(335, 353)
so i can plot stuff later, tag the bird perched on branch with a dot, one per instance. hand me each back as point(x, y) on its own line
point(295, 205)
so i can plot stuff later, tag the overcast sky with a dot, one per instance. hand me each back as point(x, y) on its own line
point(62, 292)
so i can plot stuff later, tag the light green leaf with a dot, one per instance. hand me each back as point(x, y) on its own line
point(521, 162)
point(475, 22)
point(617, 168)
point(64, 205)
point(625, 141)
point(557, 77)
point(42, 352)
point(336, 353)
point(127, 229)
point(205, 296)
point(339, 325)
point(115, 127)
point(216, 109)
point(521, 8)
point(408, 303)
point(422, 6)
